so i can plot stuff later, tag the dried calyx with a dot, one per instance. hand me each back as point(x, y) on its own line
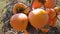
point(20, 10)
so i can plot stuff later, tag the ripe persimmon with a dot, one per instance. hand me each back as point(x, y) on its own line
point(38, 18)
point(53, 22)
point(49, 3)
point(51, 13)
point(36, 4)
point(57, 10)
point(19, 21)
point(20, 8)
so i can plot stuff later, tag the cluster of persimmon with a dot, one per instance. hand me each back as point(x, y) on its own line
point(37, 17)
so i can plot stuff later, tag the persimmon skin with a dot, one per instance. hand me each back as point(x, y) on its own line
point(52, 17)
point(57, 10)
point(21, 8)
point(51, 13)
point(36, 4)
point(53, 22)
point(49, 3)
point(38, 18)
point(19, 21)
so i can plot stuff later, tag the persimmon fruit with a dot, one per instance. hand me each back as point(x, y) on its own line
point(38, 18)
point(50, 3)
point(20, 8)
point(57, 10)
point(53, 22)
point(19, 21)
point(51, 13)
point(36, 4)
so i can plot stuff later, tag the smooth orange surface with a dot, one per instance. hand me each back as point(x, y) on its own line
point(38, 18)
point(19, 21)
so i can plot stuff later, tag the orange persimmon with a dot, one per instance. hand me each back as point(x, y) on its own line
point(49, 3)
point(57, 10)
point(19, 21)
point(20, 8)
point(36, 4)
point(53, 22)
point(38, 18)
point(51, 13)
